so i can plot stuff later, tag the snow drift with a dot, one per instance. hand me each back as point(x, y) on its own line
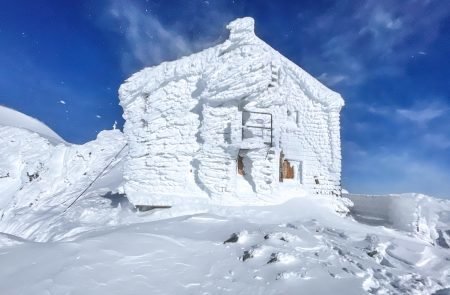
point(418, 214)
point(39, 177)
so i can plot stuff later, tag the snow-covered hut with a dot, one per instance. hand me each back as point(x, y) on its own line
point(237, 122)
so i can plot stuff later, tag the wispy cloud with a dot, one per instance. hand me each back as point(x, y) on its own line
point(421, 113)
point(375, 38)
point(149, 40)
point(332, 80)
point(437, 140)
point(424, 115)
point(382, 171)
point(424, 126)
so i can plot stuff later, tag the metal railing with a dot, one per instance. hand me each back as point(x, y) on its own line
point(244, 126)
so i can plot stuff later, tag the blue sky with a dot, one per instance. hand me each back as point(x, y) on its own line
point(63, 61)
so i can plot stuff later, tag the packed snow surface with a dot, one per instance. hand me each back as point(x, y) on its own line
point(102, 246)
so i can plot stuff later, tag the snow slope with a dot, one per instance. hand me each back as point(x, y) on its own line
point(39, 178)
point(13, 118)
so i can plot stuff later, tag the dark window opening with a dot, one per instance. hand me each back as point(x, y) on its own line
point(240, 165)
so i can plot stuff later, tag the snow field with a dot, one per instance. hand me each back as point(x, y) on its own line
point(216, 253)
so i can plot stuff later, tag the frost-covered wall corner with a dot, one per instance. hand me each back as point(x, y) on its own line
point(235, 123)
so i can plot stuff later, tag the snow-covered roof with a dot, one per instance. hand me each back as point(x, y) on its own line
point(235, 69)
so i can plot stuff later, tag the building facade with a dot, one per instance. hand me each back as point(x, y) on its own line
point(233, 122)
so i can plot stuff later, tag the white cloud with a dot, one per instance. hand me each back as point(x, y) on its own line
point(439, 141)
point(332, 80)
point(382, 18)
point(384, 32)
point(148, 40)
point(378, 110)
point(384, 171)
point(421, 115)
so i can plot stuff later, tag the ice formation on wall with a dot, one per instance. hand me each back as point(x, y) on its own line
point(190, 123)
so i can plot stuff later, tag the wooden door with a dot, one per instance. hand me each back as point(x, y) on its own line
point(286, 170)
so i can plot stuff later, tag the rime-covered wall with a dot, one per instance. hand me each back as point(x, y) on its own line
point(310, 138)
point(184, 125)
point(163, 140)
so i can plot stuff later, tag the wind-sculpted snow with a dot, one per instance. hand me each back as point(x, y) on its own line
point(300, 247)
point(418, 214)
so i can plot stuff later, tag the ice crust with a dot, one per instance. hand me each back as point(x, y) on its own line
point(184, 126)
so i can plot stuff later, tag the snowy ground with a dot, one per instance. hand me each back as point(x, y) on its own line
point(309, 245)
point(103, 246)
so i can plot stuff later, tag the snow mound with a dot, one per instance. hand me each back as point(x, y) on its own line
point(13, 118)
point(418, 214)
point(38, 177)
